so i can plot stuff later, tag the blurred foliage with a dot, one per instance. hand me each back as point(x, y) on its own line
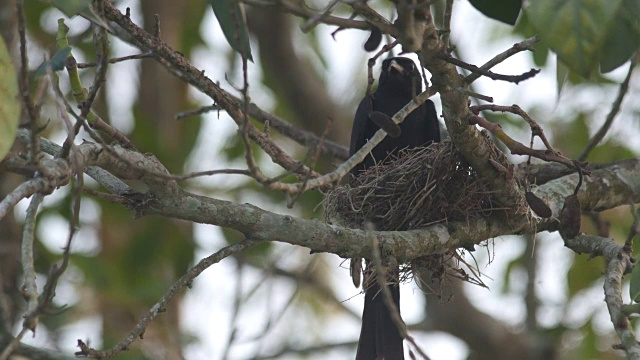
point(9, 108)
point(583, 272)
point(585, 33)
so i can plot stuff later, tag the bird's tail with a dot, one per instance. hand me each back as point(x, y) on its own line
point(379, 336)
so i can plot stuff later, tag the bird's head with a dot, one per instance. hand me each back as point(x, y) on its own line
point(400, 75)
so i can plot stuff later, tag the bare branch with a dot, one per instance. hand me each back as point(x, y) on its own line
point(161, 305)
point(311, 23)
point(25, 93)
point(516, 48)
point(299, 10)
point(491, 75)
point(180, 66)
point(615, 109)
point(146, 55)
point(445, 32)
point(30, 290)
point(618, 264)
point(517, 148)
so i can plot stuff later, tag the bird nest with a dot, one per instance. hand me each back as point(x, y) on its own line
point(413, 189)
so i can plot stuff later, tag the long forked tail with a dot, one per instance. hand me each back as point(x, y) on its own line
point(379, 336)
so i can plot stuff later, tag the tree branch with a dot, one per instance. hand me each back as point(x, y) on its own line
point(615, 109)
point(606, 188)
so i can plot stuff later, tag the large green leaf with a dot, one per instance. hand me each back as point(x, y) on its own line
point(9, 103)
point(231, 18)
point(575, 29)
point(624, 38)
point(503, 10)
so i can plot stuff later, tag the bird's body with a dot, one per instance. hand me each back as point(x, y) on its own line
point(399, 82)
point(419, 128)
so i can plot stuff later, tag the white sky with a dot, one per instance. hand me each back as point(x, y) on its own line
point(206, 308)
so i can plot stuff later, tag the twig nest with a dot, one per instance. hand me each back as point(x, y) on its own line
point(414, 189)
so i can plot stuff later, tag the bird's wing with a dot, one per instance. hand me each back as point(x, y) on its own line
point(358, 131)
point(431, 118)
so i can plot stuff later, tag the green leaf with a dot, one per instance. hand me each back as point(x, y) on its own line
point(624, 38)
point(56, 63)
point(231, 18)
point(72, 7)
point(634, 284)
point(575, 29)
point(9, 103)
point(502, 10)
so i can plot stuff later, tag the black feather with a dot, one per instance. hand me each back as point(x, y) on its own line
point(399, 82)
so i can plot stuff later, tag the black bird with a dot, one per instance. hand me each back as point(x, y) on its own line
point(399, 82)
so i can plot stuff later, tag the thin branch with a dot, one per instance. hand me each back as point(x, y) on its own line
point(478, 96)
point(615, 109)
point(237, 302)
point(536, 129)
point(178, 65)
point(13, 344)
point(161, 305)
point(297, 9)
point(313, 21)
point(101, 176)
point(302, 137)
point(516, 147)
point(30, 289)
point(301, 352)
point(516, 48)
point(23, 191)
point(634, 229)
point(100, 42)
point(445, 32)
point(35, 353)
point(374, 18)
point(145, 55)
point(196, 112)
point(494, 76)
point(25, 93)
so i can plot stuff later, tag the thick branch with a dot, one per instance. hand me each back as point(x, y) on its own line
point(467, 139)
point(606, 188)
point(618, 264)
